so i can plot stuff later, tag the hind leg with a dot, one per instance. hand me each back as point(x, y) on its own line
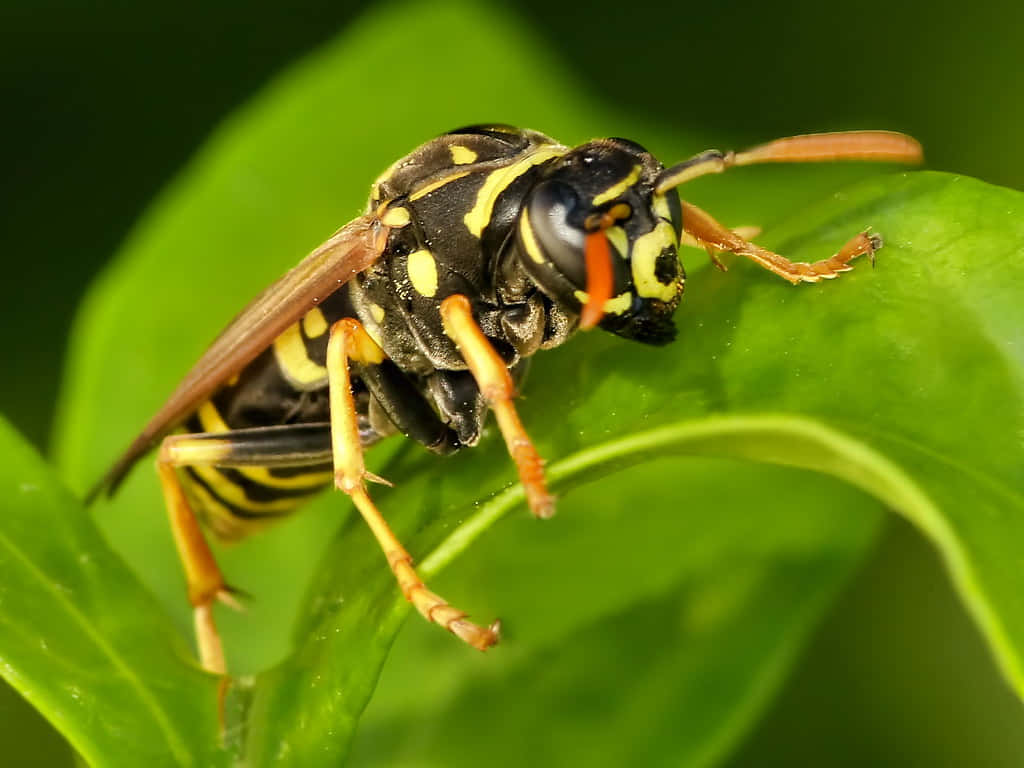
point(300, 445)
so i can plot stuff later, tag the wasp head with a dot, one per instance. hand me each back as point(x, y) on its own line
point(596, 238)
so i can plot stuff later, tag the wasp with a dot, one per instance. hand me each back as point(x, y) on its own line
point(478, 249)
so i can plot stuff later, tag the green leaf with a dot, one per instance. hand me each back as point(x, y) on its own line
point(902, 383)
point(727, 595)
point(28, 737)
point(669, 677)
point(83, 642)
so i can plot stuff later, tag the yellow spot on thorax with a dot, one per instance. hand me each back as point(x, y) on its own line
point(499, 180)
point(396, 217)
point(462, 155)
point(619, 187)
point(314, 323)
point(423, 272)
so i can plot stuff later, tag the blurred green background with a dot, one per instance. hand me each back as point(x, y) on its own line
point(103, 103)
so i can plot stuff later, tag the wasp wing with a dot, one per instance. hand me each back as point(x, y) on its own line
point(349, 251)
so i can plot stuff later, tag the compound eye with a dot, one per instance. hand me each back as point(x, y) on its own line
point(557, 222)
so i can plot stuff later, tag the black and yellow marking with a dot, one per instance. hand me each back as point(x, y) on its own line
point(657, 245)
point(243, 476)
point(422, 268)
point(477, 250)
point(462, 155)
point(533, 249)
point(497, 181)
point(619, 187)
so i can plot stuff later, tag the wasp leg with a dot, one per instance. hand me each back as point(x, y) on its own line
point(349, 341)
point(495, 382)
point(747, 233)
point(202, 575)
point(709, 233)
point(871, 146)
point(290, 445)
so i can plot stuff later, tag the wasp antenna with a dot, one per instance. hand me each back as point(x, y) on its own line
point(711, 161)
point(868, 146)
point(872, 146)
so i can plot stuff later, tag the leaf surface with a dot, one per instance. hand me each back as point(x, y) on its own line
point(902, 383)
point(83, 641)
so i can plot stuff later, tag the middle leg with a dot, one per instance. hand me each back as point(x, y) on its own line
point(350, 342)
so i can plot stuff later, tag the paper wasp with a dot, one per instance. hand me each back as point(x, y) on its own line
point(479, 249)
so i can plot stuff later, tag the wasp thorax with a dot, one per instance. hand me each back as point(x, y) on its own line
point(607, 185)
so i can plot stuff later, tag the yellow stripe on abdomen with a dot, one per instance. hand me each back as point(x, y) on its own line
point(292, 358)
point(211, 421)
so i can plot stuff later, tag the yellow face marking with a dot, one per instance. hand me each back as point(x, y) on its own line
point(396, 218)
point(301, 372)
point(619, 187)
point(660, 205)
point(462, 155)
point(499, 180)
point(433, 186)
point(646, 250)
point(377, 312)
point(614, 306)
point(529, 239)
point(314, 323)
point(423, 272)
point(619, 240)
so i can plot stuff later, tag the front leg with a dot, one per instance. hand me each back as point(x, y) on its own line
point(495, 382)
point(699, 225)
